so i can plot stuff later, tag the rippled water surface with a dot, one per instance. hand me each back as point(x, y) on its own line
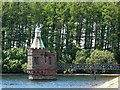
point(21, 81)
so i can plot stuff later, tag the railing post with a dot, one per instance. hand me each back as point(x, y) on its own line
point(94, 71)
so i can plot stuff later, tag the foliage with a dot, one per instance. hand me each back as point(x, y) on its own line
point(94, 57)
point(15, 65)
point(12, 66)
point(14, 60)
point(67, 28)
point(24, 67)
point(81, 56)
point(15, 53)
point(101, 57)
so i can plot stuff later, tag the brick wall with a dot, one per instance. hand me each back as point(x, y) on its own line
point(41, 62)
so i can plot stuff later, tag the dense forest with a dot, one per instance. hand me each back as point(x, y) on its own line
point(69, 28)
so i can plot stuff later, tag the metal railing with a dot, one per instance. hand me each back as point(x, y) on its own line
point(89, 66)
point(93, 67)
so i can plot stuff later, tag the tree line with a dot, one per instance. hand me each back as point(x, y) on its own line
point(67, 26)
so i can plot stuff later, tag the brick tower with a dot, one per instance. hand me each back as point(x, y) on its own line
point(41, 62)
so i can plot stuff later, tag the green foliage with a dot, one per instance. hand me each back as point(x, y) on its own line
point(68, 27)
point(5, 68)
point(117, 55)
point(12, 66)
point(14, 60)
point(15, 66)
point(101, 57)
point(94, 57)
point(81, 56)
point(24, 67)
point(65, 26)
point(15, 53)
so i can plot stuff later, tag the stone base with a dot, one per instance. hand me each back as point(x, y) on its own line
point(41, 77)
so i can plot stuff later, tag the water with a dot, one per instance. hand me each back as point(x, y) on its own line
point(21, 81)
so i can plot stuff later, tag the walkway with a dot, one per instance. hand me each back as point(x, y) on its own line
point(111, 84)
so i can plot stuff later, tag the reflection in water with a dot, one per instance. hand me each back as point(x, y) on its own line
point(22, 81)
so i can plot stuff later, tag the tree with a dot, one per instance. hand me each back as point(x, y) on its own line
point(67, 27)
point(81, 56)
point(101, 57)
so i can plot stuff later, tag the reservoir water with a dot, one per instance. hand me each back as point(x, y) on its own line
point(65, 81)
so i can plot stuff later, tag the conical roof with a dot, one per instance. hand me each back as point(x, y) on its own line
point(37, 42)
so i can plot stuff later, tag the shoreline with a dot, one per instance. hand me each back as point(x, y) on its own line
point(116, 75)
point(13, 74)
point(67, 74)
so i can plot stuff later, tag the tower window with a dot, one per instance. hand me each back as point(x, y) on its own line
point(36, 61)
point(50, 62)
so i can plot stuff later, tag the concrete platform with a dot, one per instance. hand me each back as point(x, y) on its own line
point(111, 84)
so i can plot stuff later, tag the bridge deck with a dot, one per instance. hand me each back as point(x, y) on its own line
point(89, 66)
